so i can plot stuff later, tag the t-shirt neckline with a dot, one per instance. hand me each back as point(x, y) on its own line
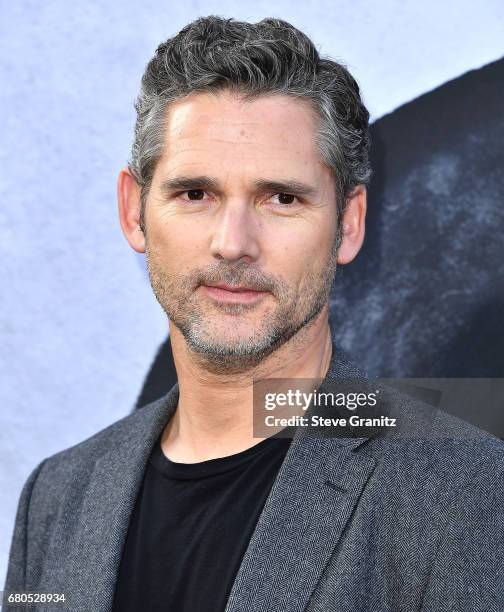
point(211, 467)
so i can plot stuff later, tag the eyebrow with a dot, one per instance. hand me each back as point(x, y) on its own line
point(286, 186)
point(187, 183)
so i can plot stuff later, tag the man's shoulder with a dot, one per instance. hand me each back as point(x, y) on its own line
point(80, 458)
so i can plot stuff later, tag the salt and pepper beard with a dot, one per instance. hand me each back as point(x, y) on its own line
point(295, 308)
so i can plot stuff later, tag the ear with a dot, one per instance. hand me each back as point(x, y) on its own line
point(128, 198)
point(354, 218)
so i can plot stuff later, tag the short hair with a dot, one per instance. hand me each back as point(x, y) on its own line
point(253, 59)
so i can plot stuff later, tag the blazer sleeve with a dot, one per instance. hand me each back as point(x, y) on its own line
point(468, 572)
point(17, 563)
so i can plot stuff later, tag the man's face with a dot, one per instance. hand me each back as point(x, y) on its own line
point(246, 225)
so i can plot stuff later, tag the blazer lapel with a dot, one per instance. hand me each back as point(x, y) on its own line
point(309, 505)
point(303, 519)
point(91, 571)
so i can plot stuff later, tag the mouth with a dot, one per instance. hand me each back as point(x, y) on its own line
point(233, 293)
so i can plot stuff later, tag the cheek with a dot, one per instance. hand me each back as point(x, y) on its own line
point(178, 241)
point(306, 250)
point(294, 261)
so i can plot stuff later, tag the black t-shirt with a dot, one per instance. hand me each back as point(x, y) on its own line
point(190, 527)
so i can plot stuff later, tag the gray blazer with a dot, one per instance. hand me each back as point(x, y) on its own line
point(351, 524)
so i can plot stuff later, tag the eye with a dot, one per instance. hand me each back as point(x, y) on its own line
point(286, 199)
point(194, 195)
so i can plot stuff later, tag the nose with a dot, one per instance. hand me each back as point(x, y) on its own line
point(234, 233)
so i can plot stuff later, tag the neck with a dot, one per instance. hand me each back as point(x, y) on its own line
point(214, 412)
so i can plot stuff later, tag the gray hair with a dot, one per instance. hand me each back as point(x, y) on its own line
point(253, 59)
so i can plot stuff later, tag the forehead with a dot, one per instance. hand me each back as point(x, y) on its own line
point(267, 135)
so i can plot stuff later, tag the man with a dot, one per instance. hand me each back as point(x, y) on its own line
point(246, 188)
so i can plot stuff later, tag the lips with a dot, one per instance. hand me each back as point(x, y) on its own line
point(234, 288)
point(233, 294)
